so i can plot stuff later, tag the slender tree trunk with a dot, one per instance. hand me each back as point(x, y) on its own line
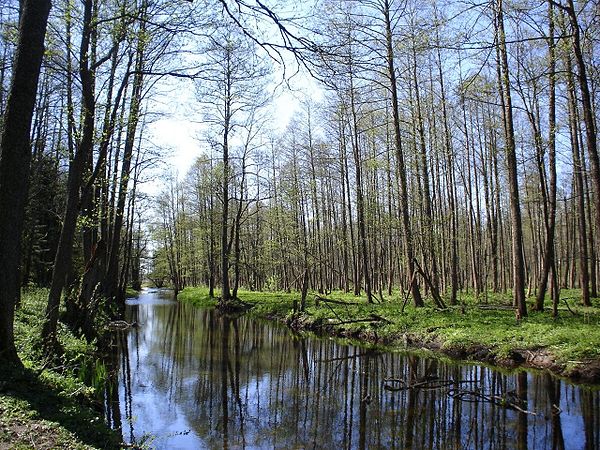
point(590, 236)
point(360, 202)
point(318, 244)
point(404, 205)
point(586, 100)
point(225, 291)
point(64, 252)
point(430, 258)
point(344, 231)
point(549, 265)
point(238, 223)
point(111, 281)
point(450, 183)
point(584, 279)
point(513, 179)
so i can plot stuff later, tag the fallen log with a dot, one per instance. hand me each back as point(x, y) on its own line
point(318, 299)
point(373, 318)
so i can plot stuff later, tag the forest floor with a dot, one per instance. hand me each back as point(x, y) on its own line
point(475, 330)
point(46, 405)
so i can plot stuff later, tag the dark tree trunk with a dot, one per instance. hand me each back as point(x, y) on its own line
point(449, 153)
point(225, 292)
point(579, 188)
point(15, 160)
point(64, 252)
point(360, 203)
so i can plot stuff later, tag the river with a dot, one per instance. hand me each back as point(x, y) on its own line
point(189, 378)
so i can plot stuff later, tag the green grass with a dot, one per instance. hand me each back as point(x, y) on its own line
point(46, 404)
point(568, 339)
point(131, 292)
point(197, 296)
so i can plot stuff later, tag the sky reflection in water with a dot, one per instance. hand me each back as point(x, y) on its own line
point(189, 378)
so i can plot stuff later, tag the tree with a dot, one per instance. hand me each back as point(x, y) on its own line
point(404, 204)
point(63, 257)
point(511, 160)
point(15, 159)
point(232, 89)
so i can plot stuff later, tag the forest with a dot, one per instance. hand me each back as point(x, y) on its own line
point(438, 156)
point(452, 152)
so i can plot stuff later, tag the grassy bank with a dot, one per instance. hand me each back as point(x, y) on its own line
point(47, 405)
point(568, 346)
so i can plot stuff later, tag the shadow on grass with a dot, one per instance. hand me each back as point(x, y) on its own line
point(73, 412)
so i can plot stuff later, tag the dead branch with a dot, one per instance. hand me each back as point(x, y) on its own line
point(373, 318)
point(412, 280)
point(568, 307)
point(435, 294)
point(318, 299)
point(498, 400)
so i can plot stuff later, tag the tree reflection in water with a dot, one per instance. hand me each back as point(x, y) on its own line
point(191, 378)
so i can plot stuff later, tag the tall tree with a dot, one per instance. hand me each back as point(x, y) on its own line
point(83, 152)
point(511, 160)
point(549, 265)
point(230, 88)
point(15, 160)
point(586, 101)
point(400, 160)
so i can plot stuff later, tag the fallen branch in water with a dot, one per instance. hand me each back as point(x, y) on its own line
point(121, 325)
point(430, 383)
point(498, 400)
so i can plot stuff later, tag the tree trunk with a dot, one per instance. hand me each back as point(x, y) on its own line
point(588, 113)
point(225, 247)
point(64, 252)
point(513, 179)
point(360, 201)
point(15, 160)
point(584, 279)
point(549, 264)
point(404, 206)
point(450, 183)
point(111, 280)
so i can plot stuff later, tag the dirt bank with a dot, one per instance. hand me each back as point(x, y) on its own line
point(584, 371)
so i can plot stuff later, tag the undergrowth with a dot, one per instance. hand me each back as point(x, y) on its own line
point(47, 404)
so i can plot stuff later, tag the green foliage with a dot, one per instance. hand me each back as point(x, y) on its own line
point(48, 405)
point(130, 292)
point(197, 296)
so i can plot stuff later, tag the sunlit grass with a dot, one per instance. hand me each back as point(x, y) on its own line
point(473, 322)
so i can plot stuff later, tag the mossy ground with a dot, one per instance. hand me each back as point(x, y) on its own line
point(46, 405)
point(568, 345)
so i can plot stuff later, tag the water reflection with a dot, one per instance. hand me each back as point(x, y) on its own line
point(190, 378)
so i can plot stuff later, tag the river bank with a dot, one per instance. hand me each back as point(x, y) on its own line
point(51, 404)
point(481, 332)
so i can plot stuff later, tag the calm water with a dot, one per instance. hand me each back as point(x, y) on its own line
point(189, 378)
